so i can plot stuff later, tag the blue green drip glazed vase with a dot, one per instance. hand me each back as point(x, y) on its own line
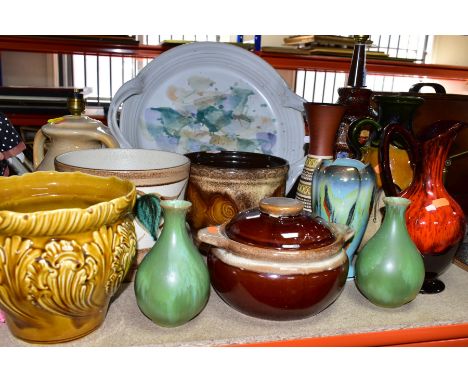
point(343, 192)
point(389, 268)
point(172, 283)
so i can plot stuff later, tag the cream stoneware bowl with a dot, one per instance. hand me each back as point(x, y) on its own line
point(160, 173)
point(66, 243)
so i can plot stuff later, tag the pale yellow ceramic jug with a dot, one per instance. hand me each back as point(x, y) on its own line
point(69, 133)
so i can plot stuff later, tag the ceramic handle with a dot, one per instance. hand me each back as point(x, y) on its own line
point(38, 148)
point(345, 230)
point(439, 89)
point(354, 133)
point(130, 88)
point(293, 101)
point(384, 155)
point(106, 139)
point(213, 236)
point(148, 213)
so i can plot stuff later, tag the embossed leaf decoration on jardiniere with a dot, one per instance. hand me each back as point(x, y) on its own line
point(66, 243)
point(389, 268)
point(172, 283)
point(343, 192)
point(435, 221)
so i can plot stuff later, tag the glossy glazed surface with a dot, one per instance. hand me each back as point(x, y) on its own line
point(66, 243)
point(172, 284)
point(402, 172)
point(286, 265)
point(343, 192)
point(68, 133)
point(435, 221)
point(389, 269)
point(301, 231)
point(391, 109)
point(357, 103)
point(274, 296)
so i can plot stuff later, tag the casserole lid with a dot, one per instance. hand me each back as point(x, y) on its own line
point(280, 223)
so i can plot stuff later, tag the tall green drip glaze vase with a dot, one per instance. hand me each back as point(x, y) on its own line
point(389, 268)
point(172, 283)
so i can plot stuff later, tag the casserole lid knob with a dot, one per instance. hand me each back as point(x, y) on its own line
point(279, 206)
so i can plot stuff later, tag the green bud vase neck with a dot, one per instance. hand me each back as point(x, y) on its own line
point(389, 268)
point(175, 212)
point(395, 209)
point(172, 283)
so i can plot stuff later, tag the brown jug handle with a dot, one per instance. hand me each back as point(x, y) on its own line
point(384, 155)
point(354, 132)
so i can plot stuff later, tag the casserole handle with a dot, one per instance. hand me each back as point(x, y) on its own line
point(344, 230)
point(212, 235)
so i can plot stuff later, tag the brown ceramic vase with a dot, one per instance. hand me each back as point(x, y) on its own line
point(323, 120)
point(276, 261)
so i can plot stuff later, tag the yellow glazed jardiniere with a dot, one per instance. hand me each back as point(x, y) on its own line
point(66, 243)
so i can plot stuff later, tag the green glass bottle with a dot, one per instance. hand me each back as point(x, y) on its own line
point(172, 283)
point(390, 268)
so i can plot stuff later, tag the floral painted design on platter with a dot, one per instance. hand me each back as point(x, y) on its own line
point(201, 116)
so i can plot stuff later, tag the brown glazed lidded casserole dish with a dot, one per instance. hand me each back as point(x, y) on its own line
point(277, 261)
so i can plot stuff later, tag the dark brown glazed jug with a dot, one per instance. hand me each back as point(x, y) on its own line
point(277, 261)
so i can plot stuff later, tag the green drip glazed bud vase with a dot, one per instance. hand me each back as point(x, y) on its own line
point(172, 283)
point(389, 268)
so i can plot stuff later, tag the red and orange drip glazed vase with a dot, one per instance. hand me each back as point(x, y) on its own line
point(435, 221)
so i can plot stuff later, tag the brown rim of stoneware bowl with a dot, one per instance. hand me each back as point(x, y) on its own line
point(236, 163)
point(149, 176)
point(236, 160)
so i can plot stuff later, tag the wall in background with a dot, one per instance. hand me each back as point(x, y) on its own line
point(450, 50)
point(36, 69)
point(28, 69)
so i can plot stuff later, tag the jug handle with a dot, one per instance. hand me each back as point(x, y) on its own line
point(384, 155)
point(354, 132)
point(106, 139)
point(38, 148)
point(439, 89)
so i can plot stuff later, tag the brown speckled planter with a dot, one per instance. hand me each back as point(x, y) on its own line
point(221, 184)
